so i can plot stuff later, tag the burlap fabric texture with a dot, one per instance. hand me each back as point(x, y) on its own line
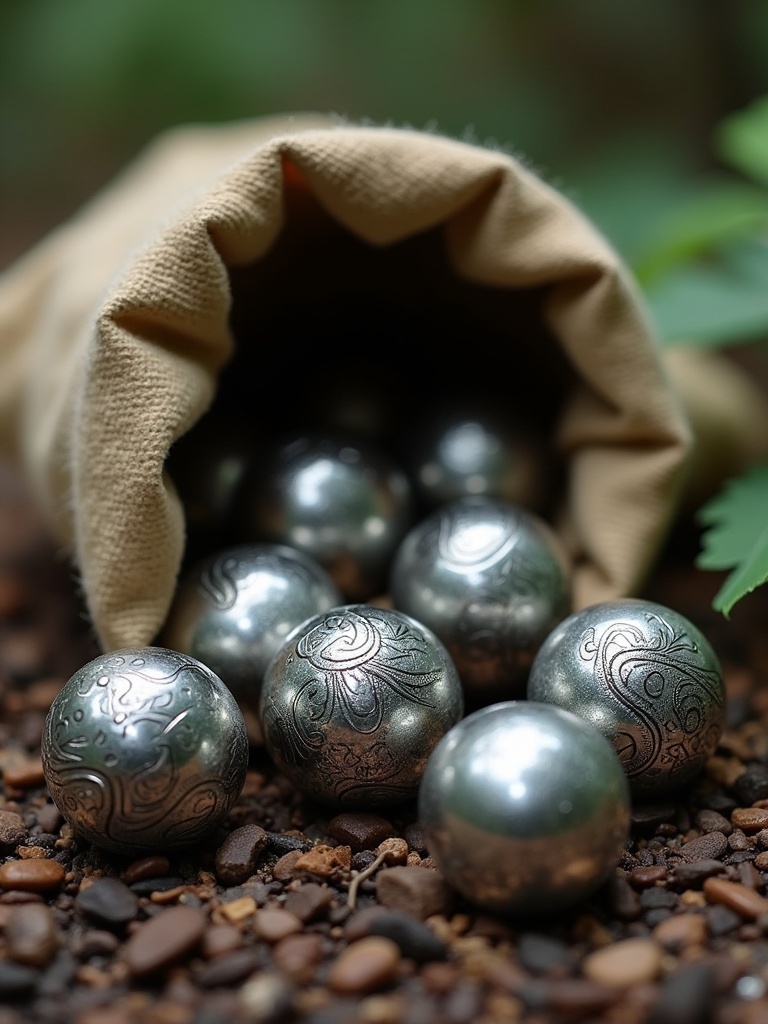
point(115, 329)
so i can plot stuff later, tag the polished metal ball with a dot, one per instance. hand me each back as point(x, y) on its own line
point(355, 701)
point(491, 580)
point(144, 749)
point(341, 502)
point(233, 610)
point(525, 808)
point(644, 676)
point(477, 454)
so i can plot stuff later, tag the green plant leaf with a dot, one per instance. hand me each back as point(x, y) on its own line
point(722, 300)
point(737, 536)
point(742, 140)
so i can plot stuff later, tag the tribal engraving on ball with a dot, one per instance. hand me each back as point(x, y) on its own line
point(471, 546)
point(132, 708)
point(357, 665)
point(657, 675)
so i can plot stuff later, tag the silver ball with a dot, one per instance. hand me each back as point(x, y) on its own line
point(233, 611)
point(644, 676)
point(462, 456)
point(491, 580)
point(144, 749)
point(524, 807)
point(355, 701)
point(343, 503)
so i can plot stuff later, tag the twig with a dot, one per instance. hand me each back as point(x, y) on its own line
point(360, 876)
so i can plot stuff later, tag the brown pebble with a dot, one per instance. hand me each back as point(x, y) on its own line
point(365, 966)
point(31, 875)
point(147, 867)
point(297, 956)
point(644, 877)
point(739, 898)
point(219, 939)
point(624, 964)
point(164, 940)
point(24, 774)
point(419, 891)
point(49, 818)
point(324, 861)
point(750, 819)
point(761, 861)
point(681, 930)
point(395, 851)
point(238, 855)
point(309, 902)
point(31, 935)
point(235, 911)
point(360, 831)
point(282, 869)
point(710, 846)
point(712, 821)
point(273, 924)
point(12, 828)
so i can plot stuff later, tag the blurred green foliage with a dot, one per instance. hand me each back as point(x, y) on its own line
point(649, 116)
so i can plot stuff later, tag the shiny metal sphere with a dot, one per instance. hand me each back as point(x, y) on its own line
point(491, 580)
point(644, 676)
point(144, 749)
point(343, 503)
point(524, 807)
point(355, 701)
point(461, 456)
point(233, 611)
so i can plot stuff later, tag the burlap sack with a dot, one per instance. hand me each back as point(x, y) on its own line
point(114, 330)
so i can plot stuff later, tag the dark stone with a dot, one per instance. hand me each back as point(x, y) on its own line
point(229, 968)
point(278, 844)
point(309, 902)
point(108, 901)
point(149, 885)
point(360, 829)
point(415, 939)
point(653, 899)
point(648, 817)
point(687, 996)
point(541, 954)
point(16, 980)
point(722, 920)
point(696, 872)
point(751, 786)
point(710, 846)
point(238, 855)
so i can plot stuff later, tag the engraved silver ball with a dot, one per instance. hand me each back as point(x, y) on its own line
point(644, 676)
point(525, 808)
point(491, 580)
point(344, 503)
point(234, 610)
point(144, 749)
point(355, 701)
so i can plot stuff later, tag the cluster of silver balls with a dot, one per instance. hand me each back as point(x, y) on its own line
point(361, 701)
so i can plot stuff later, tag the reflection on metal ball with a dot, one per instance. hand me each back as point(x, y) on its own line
point(491, 581)
point(343, 503)
point(144, 749)
point(479, 454)
point(354, 703)
point(525, 808)
point(233, 611)
point(644, 676)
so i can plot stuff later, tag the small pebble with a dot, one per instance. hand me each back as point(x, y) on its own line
point(219, 939)
point(623, 964)
point(147, 867)
point(395, 851)
point(712, 821)
point(643, 877)
point(238, 855)
point(95, 942)
point(12, 828)
point(24, 774)
point(361, 830)
point(710, 846)
point(16, 980)
point(365, 966)
point(686, 996)
point(419, 891)
point(108, 901)
point(265, 997)
point(282, 869)
point(273, 924)
point(750, 786)
point(229, 968)
point(761, 861)
point(750, 819)
point(164, 940)
point(147, 886)
point(49, 818)
point(31, 875)
point(32, 935)
point(309, 902)
point(324, 861)
point(679, 931)
point(542, 954)
point(739, 898)
point(414, 835)
point(297, 956)
point(697, 871)
point(721, 920)
point(414, 939)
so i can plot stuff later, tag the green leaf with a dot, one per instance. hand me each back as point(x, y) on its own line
point(737, 537)
point(723, 300)
point(742, 140)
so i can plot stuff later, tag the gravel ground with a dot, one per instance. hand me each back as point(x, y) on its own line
point(292, 914)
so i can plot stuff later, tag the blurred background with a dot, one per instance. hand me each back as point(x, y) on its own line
point(619, 105)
